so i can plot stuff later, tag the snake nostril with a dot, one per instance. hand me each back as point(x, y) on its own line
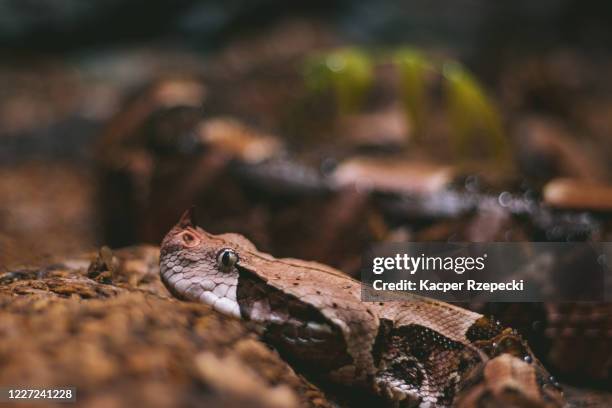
point(188, 238)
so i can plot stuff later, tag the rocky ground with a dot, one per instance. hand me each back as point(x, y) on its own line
point(115, 334)
point(105, 324)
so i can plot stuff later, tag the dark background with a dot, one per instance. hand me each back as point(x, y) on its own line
point(68, 66)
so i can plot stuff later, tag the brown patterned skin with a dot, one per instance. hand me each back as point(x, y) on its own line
point(574, 338)
point(416, 353)
point(506, 381)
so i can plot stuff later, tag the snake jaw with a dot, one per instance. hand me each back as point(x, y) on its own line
point(213, 288)
point(225, 303)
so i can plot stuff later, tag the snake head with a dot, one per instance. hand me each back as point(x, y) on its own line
point(198, 266)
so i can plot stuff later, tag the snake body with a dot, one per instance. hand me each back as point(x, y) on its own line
point(415, 353)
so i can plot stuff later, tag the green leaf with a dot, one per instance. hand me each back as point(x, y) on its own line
point(347, 72)
point(413, 68)
point(474, 118)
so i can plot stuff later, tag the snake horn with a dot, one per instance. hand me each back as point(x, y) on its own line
point(188, 218)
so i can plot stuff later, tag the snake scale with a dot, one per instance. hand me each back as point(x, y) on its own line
point(421, 353)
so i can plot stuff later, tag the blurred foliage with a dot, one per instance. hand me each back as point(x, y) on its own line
point(348, 72)
point(472, 115)
point(475, 123)
point(413, 67)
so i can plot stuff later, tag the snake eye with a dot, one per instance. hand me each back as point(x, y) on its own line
point(227, 258)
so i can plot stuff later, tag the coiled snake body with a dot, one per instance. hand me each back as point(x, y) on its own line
point(417, 353)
